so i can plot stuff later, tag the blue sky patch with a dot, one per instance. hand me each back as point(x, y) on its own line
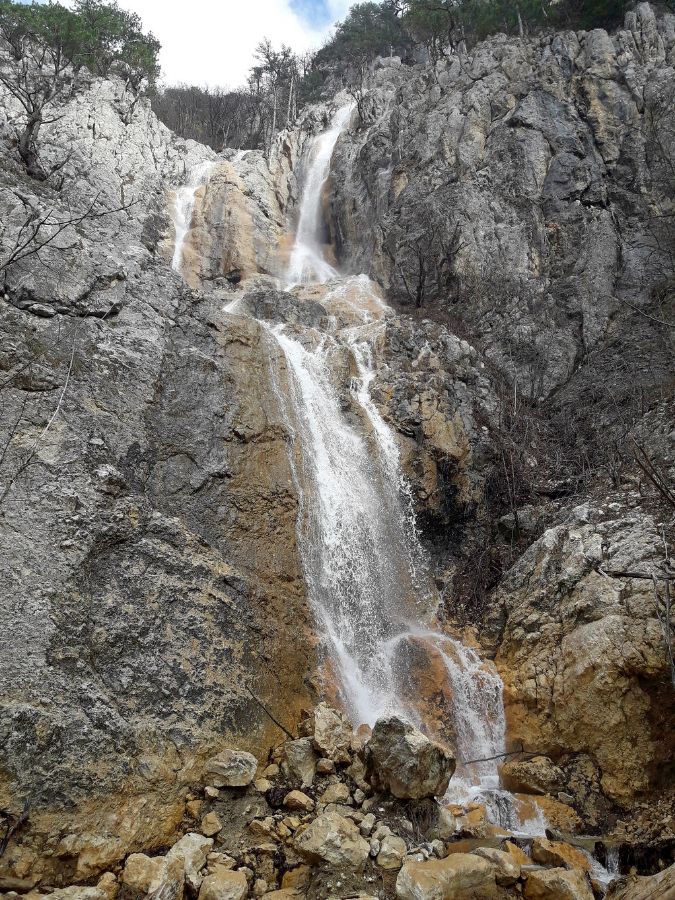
point(316, 13)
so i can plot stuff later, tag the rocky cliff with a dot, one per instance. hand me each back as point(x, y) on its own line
point(518, 197)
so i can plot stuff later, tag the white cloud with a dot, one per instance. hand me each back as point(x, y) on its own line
point(211, 42)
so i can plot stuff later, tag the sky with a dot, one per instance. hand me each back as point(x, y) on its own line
point(212, 42)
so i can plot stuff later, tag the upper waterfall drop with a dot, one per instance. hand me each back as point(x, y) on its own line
point(307, 262)
point(183, 209)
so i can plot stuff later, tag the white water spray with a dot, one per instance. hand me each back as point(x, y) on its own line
point(183, 208)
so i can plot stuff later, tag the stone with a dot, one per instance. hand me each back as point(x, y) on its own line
point(517, 853)
point(325, 766)
point(460, 876)
point(298, 800)
point(538, 775)
point(74, 893)
point(211, 793)
point(211, 824)
point(406, 763)
point(507, 870)
point(193, 851)
point(262, 785)
point(645, 887)
point(109, 885)
point(297, 879)
point(146, 875)
point(557, 884)
point(300, 760)
point(231, 768)
point(336, 793)
point(559, 854)
point(392, 852)
point(443, 825)
point(332, 733)
point(333, 839)
point(224, 884)
point(367, 824)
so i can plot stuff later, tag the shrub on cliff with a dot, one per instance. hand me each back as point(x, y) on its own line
point(45, 47)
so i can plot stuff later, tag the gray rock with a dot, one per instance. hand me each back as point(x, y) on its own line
point(404, 762)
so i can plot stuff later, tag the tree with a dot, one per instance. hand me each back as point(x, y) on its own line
point(44, 47)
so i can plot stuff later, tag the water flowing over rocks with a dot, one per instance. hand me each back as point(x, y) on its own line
point(181, 419)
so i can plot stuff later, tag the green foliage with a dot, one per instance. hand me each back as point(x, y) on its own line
point(369, 30)
point(98, 35)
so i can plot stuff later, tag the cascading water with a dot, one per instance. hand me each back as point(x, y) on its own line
point(363, 562)
point(308, 262)
point(184, 205)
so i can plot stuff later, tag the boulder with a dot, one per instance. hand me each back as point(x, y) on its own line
point(192, 850)
point(557, 884)
point(460, 876)
point(298, 800)
point(406, 763)
point(300, 761)
point(333, 839)
point(211, 824)
point(231, 768)
point(224, 884)
point(336, 793)
point(145, 875)
point(559, 854)
point(532, 776)
point(507, 870)
point(331, 733)
point(392, 852)
point(649, 887)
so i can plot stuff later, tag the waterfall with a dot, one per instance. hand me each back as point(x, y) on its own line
point(183, 208)
point(365, 568)
point(307, 261)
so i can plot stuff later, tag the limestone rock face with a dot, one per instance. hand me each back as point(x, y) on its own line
point(333, 839)
point(582, 655)
point(460, 876)
point(529, 139)
point(161, 504)
point(403, 761)
point(231, 768)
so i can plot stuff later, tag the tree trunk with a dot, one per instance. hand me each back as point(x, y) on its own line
point(27, 149)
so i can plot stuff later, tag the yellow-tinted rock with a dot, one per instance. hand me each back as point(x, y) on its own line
point(558, 853)
point(460, 876)
point(557, 884)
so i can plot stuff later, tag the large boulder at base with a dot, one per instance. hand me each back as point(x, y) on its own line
point(224, 884)
point(459, 876)
point(333, 839)
point(191, 850)
point(557, 884)
point(649, 887)
point(406, 763)
point(231, 768)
